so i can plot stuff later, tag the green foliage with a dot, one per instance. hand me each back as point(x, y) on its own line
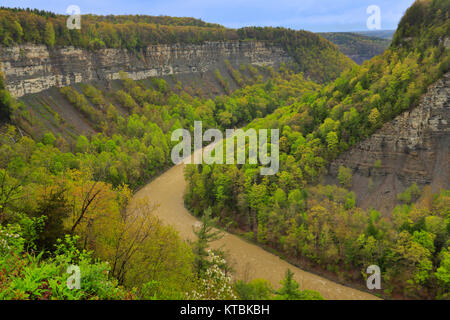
point(42, 191)
point(443, 272)
point(49, 139)
point(7, 104)
point(29, 276)
point(411, 194)
point(223, 82)
point(126, 100)
point(260, 289)
point(53, 209)
point(433, 26)
point(94, 94)
point(82, 144)
point(205, 234)
point(81, 103)
point(257, 289)
point(49, 34)
point(375, 117)
point(350, 201)
point(345, 176)
point(314, 55)
point(290, 291)
point(79, 189)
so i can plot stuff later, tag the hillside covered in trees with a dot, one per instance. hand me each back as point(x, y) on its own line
point(68, 202)
point(318, 225)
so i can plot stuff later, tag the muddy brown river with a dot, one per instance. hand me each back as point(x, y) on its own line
point(248, 260)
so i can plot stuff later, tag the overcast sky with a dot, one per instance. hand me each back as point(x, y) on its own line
point(313, 15)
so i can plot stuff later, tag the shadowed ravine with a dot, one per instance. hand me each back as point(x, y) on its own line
point(248, 261)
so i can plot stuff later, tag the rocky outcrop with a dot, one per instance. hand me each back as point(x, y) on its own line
point(413, 148)
point(34, 68)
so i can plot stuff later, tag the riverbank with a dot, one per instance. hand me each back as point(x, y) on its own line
point(249, 261)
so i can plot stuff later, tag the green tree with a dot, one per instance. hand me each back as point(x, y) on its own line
point(206, 233)
point(375, 117)
point(257, 289)
point(49, 34)
point(82, 144)
point(49, 139)
point(443, 272)
point(410, 195)
point(290, 290)
point(332, 142)
point(55, 209)
point(345, 176)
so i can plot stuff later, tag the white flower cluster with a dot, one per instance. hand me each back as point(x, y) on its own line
point(216, 285)
point(5, 239)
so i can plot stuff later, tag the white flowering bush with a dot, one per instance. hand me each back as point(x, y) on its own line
point(215, 283)
point(10, 240)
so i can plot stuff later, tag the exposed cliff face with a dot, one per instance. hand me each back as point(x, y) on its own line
point(34, 68)
point(414, 147)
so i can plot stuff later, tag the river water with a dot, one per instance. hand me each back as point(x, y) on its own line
point(247, 260)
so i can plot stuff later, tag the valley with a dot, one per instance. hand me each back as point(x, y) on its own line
point(248, 261)
point(358, 127)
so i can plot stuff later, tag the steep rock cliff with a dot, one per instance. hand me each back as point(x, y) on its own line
point(413, 148)
point(34, 68)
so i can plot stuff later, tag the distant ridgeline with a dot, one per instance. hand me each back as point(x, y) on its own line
point(358, 47)
point(382, 34)
point(315, 56)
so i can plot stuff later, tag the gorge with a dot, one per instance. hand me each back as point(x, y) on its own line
point(34, 68)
